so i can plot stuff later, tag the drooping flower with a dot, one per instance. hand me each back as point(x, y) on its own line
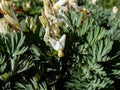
point(115, 10)
point(13, 21)
point(93, 2)
point(10, 17)
point(3, 26)
point(58, 4)
point(43, 20)
point(58, 45)
point(47, 34)
point(8, 13)
point(47, 8)
point(22, 26)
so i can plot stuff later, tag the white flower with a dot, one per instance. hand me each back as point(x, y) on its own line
point(47, 34)
point(22, 26)
point(28, 4)
point(47, 8)
point(43, 20)
point(93, 2)
point(59, 4)
point(12, 20)
point(72, 2)
point(75, 6)
point(115, 10)
point(11, 17)
point(3, 26)
point(58, 45)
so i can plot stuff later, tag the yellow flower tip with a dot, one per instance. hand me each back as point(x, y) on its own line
point(84, 10)
point(87, 11)
point(17, 25)
point(60, 53)
point(44, 25)
point(46, 42)
point(58, 33)
point(56, 7)
point(43, 21)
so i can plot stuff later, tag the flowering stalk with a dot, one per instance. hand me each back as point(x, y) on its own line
point(51, 23)
point(59, 4)
point(47, 34)
point(3, 26)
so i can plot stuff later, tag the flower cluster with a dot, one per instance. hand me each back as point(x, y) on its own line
point(115, 10)
point(9, 18)
point(51, 23)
